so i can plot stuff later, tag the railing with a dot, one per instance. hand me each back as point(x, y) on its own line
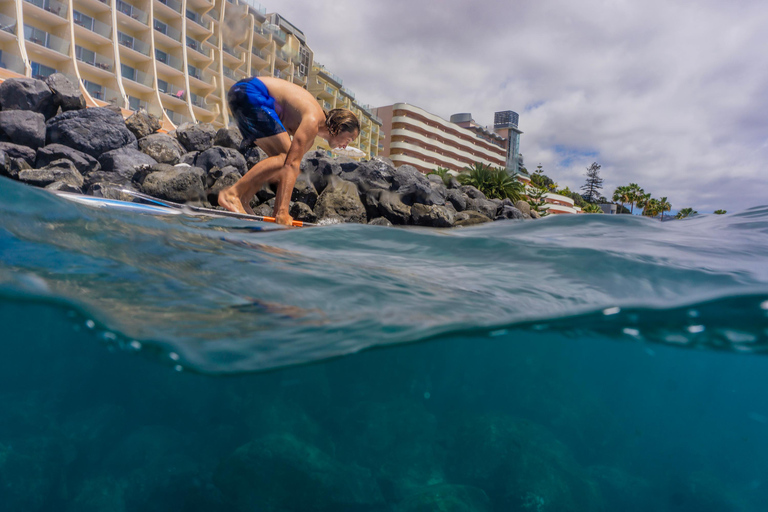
point(167, 30)
point(194, 72)
point(230, 51)
point(327, 105)
point(229, 73)
point(134, 12)
point(7, 24)
point(257, 7)
point(93, 58)
point(196, 100)
point(91, 24)
point(330, 90)
point(170, 60)
point(213, 13)
point(175, 117)
point(51, 6)
point(173, 4)
point(213, 40)
point(133, 43)
point(135, 75)
point(348, 92)
point(327, 73)
point(170, 89)
point(37, 36)
point(135, 103)
point(12, 62)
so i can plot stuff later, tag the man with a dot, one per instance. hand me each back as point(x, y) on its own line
point(267, 111)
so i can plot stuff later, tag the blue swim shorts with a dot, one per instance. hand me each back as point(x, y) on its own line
point(254, 110)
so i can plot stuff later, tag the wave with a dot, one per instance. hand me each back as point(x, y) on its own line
point(216, 296)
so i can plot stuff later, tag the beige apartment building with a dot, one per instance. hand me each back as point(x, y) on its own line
point(330, 92)
point(175, 58)
point(426, 141)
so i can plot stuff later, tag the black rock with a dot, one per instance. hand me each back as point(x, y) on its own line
point(60, 170)
point(379, 221)
point(472, 192)
point(341, 201)
point(383, 203)
point(300, 211)
point(509, 212)
point(469, 218)
point(254, 155)
point(142, 123)
point(484, 206)
point(320, 167)
point(27, 94)
point(432, 215)
point(23, 127)
point(457, 199)
point(189, 158)
point(63, 186)
point(65, 94)
point(220, 157)
point(124, 162)
point(374, 174)
point(179, 184)
point(414, 187)
point(110, 190)
point(5, 163)
point(304, 191)
point(228, 138)
point(163, 148)
point(196, 137)
point(93, 131)
point(18, 151)
point(219, 179)
point(266, 193)
point(84, 163)
point(14, 166)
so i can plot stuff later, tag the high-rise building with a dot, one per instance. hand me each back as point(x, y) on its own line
point(505, 124)
point(175, 58)
point(426, 141)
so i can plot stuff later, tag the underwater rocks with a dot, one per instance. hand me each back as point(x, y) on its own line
point(108, 152)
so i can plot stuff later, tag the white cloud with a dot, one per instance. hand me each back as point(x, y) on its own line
point(670, 95)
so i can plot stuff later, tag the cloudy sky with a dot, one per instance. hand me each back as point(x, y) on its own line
point(669, 94)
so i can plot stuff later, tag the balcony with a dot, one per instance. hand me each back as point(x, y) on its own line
point(322, 69)
point(257, 7)
point(175, 117)
point(91, 24)
point(173, 4)
point(51, 6)
point(197, 101)
point(134, 75)
point(198, 47)
point(133, 12)
point(169, 60)
point(94, 59)
point(229, 73)
point(193, 72)
point(231, 51)
point(7, 24)
point(12, 62)
point(167, 30)
point(171, 90)
point(42, 38)
point(348, 92)
point(133, 43)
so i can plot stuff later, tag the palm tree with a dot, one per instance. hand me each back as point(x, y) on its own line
point(720, 212)
point(685, 212)
point(651, 207)
point(621, 195)
point(642, 201)
point(592, 208)
point(664, 206)
point(635, 193)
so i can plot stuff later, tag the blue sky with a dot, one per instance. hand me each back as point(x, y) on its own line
point(667, 94)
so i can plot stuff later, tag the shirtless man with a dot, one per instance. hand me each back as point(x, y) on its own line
point(267, 111)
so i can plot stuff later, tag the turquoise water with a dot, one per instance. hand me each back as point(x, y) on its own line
point(573, 363)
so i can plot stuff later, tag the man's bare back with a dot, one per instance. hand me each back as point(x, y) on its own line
point(292, 103)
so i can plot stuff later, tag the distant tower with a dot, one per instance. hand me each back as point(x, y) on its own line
point(505, 124)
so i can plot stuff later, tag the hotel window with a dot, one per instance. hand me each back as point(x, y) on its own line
point(161, 56)
point(41, 70)
point(162, 85)
point(82, 20)
point(95, 90)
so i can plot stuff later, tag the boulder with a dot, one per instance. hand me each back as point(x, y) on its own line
point(65, 94)
point(509, 212)
point(93, 131)
point(254, 155)
point(469, 218)
point(63, 186)
point(27, 94)
point(59, 170)
point(110, 190)
point(320, 167)
point(11, 167)
point(163, 148)
point(124, 162)
point(374, 174)
point(453, 183)
point(535, 214)
point(5, 163)
point(196, 137)
point(18, 151)
point(520, 465)
point(304, 191)
point(524, 207)
point(267, 193)
point(228, 138)
point(279, 473)
point(175, 183)
point(383, 203)
point(23, 127)
point(300, 211)
point(379, 221)
point(447, 497)
point(220, 157)
point(472, 192)
point(414, 187)
point(219, 179)
point(484, 206)
point(84, 163)
point(142, 123)
point(340, 200)
point(432, 215)
point(457, 199)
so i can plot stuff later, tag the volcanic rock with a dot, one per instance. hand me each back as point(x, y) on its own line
point(93, 131)
point(23, 127)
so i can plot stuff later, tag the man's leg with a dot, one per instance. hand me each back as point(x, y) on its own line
point(237, 197)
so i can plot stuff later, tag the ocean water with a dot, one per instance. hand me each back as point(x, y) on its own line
point(591, 362)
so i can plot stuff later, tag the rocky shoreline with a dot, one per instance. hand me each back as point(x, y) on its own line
point(49, 139)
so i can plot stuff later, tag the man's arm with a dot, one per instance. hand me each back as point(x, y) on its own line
point(302, 142)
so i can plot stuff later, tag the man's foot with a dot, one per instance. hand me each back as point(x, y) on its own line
point(231, 201)
point(284, 219)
